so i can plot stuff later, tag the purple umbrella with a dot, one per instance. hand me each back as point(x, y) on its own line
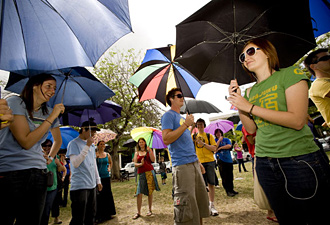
point(107, 111)
point(223, 125)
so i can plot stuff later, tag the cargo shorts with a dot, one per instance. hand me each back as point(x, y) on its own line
point(191, 201)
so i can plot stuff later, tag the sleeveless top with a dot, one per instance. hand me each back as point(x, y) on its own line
point(147, 163)
point(102, 166)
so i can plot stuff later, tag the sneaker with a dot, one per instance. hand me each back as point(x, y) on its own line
point(213, 211)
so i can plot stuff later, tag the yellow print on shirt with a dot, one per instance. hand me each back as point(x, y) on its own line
point(269, 101)
point(265, 92)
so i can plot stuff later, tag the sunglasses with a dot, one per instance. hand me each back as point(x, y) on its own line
point(179, 95)
point(250, 52)
point(323, 58)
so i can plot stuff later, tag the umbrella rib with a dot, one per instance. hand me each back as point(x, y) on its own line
point(20, 22)
point(51, 7)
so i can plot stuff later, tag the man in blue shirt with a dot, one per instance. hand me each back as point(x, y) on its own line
point(225, 162)
point(191, 202)
point(84, 175)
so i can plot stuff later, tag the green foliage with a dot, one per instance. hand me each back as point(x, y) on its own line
point(235, 135)
point(114, 70)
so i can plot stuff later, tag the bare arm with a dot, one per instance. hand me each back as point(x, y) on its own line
point(110, 162)
point(21, 131)
point(294, 117)
point(151, 154)
point(56, 133)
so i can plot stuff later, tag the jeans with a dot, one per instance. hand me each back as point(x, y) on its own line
point(227, 175)
point(48, 205)
point(83, 206)
point(297, 188)
point(22, 196)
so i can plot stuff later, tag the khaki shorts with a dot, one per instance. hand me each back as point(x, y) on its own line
point(191, 201)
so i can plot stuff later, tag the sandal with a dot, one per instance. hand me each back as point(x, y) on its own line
point(149, 213)
point(136, 216)
point(274, 219)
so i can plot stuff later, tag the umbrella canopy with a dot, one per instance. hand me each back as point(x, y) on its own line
point(104, 135)
point(130, 143)
point(223, 125)
point(209, 42)
point(152, 136)
point(158, 74)
point(75, 87)
point(67, 133)
point(198, 106)
point(320, 13)
point(53, 34)
point(107, 111)
point(239, 126)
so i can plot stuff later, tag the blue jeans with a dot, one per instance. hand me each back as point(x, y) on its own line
point(48, 205)
point(22, 196)
point(297, 188)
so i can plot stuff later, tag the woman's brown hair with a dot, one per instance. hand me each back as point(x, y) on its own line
point(27, 93)
point(268, 48)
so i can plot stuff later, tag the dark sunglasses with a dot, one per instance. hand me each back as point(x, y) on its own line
point(323, 58)
point(179, 95)
point(47, 146)
point(250, 52)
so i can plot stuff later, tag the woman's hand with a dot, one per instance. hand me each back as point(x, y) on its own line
point(58, 109)
point(234, 88)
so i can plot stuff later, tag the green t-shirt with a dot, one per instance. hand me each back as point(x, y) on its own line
point(53, 167)
point(273, 140)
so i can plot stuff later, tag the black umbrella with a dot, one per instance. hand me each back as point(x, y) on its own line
point(198, 106)
point(209, 42)
point(130, 143)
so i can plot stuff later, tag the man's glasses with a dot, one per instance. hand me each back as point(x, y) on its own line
point(179, 95)
point(323, 58)
point(250, 52)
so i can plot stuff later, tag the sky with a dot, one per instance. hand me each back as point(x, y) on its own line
point(153, 23)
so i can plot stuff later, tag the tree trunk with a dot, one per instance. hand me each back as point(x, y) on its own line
point(115, 160)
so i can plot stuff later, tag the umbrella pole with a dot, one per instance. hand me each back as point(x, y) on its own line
point(184, 100)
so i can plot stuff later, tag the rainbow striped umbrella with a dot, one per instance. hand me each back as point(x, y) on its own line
point(158, 74)
point(151, 135)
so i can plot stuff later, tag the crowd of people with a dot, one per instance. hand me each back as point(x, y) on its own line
point(289, 168)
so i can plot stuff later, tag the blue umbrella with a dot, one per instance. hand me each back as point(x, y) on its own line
point(106, 112)
point(320, 13)
point(67, 134)
point(239, 126)
point(76, 88)
point(53, 34)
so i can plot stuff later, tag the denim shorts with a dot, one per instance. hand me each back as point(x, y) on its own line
point(209, 175)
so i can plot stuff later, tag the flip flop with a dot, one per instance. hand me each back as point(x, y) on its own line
point(274, 219)
point(149, 213)
point(136, 216)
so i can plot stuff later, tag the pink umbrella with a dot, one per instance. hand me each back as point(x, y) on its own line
point(223, 125)
point(104, 135)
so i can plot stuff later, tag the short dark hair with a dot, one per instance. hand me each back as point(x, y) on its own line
point(311, 59)
point(216, 130)
point(171, 94)
point(88, 124)
point(200, 120)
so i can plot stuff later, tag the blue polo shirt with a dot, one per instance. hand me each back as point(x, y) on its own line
point(82, 177)
point(224, 154)
point(182, 150)
point(12, 155)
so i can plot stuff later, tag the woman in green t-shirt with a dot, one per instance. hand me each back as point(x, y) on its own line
point(294, 174)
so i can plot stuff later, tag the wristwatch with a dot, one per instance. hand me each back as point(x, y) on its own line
point(51, 158)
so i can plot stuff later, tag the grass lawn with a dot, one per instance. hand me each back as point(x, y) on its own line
point(240, 209)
